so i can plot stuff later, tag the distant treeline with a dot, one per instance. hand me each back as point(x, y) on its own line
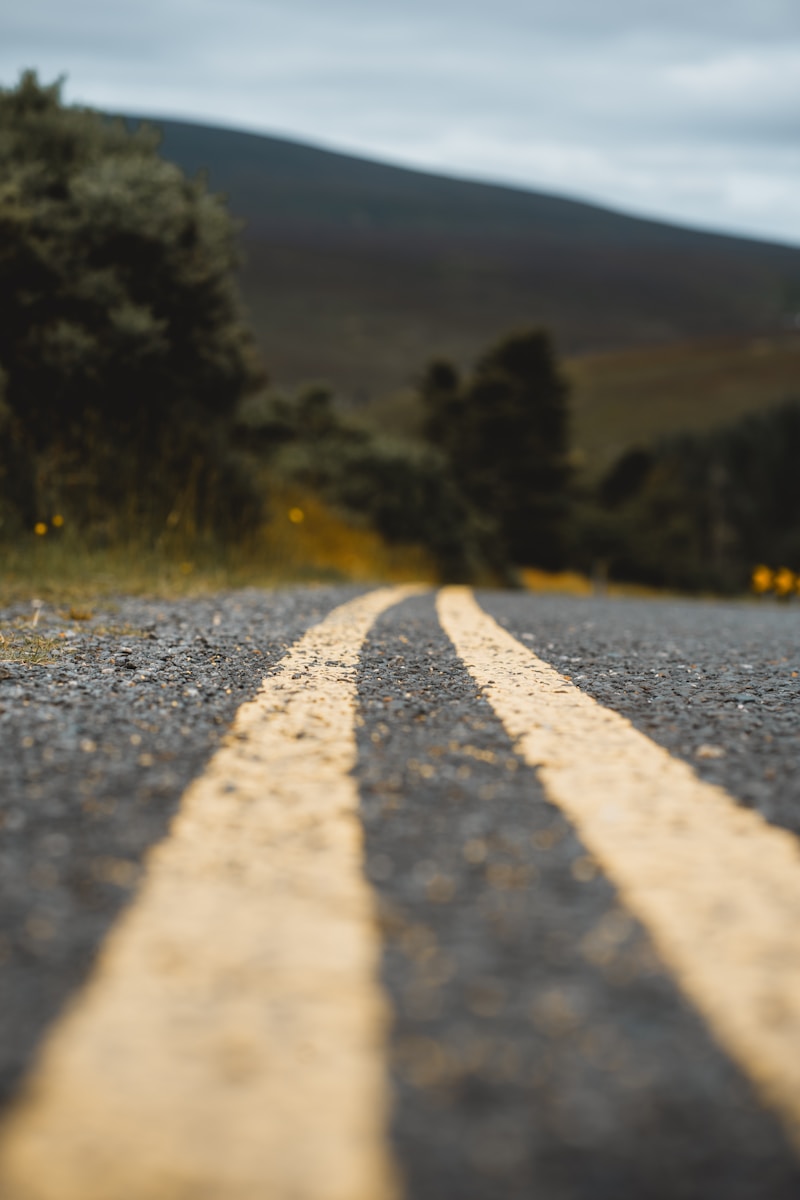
point(699, 511)
point(133, 404)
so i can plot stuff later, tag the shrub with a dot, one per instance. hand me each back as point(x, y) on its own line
point(122, 344)
point(700, 510)
point(404, 491)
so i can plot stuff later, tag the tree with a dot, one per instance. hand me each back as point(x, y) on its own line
point(404, 491)
point(505, 432)
point(700, 510)
point(120, 322)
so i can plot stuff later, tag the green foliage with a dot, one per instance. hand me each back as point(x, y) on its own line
point(699, 511)
point(123, 351)
point(405, 492)
point(411, 498)
point(504, 432)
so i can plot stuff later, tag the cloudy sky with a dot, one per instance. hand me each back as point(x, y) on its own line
point(686, 109)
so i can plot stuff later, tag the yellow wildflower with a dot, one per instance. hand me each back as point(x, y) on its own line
point(761, 579)
point(783, 582)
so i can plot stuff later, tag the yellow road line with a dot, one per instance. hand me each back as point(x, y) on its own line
point(717, 887)
point(231, 1042)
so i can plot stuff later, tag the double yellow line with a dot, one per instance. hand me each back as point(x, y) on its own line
point(231, 1044)
point(716, 886)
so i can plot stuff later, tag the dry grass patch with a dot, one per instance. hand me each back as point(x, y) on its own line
point(20, 645)
point(571, 583)
point(304, 541)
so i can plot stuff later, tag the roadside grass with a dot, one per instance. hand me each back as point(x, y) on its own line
point(20, 645)
point(572, 583)
point(21, 642)
point(302, 542)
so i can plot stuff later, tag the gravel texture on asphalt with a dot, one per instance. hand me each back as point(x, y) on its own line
point(539, 1049)
point(96, 748)
point(717, 684)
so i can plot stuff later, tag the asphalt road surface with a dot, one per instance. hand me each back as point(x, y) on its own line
point(352, 894)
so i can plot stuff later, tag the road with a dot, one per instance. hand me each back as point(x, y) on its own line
point(348, 894)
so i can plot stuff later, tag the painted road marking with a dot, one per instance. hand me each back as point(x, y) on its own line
point(717, 887)
point(230, 1044)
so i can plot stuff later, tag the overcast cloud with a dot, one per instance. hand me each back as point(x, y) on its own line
point(688, 110)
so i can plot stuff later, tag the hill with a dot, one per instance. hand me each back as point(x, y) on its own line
point(358, 272)
point(638, 396)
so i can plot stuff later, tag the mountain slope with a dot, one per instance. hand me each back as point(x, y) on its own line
point(358, 272)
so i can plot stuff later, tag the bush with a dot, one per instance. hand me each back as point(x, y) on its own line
point(123, 350)
point(404, 491)
point(700, 510)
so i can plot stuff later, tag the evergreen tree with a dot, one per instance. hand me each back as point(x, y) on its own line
point(505, 432)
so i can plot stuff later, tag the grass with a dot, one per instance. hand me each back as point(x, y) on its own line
point(303, 542)
point(20, 645)
point(20, 642)
point(572, 583)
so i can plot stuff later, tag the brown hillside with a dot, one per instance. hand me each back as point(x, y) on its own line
point(634, 398)
point(358, 272)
